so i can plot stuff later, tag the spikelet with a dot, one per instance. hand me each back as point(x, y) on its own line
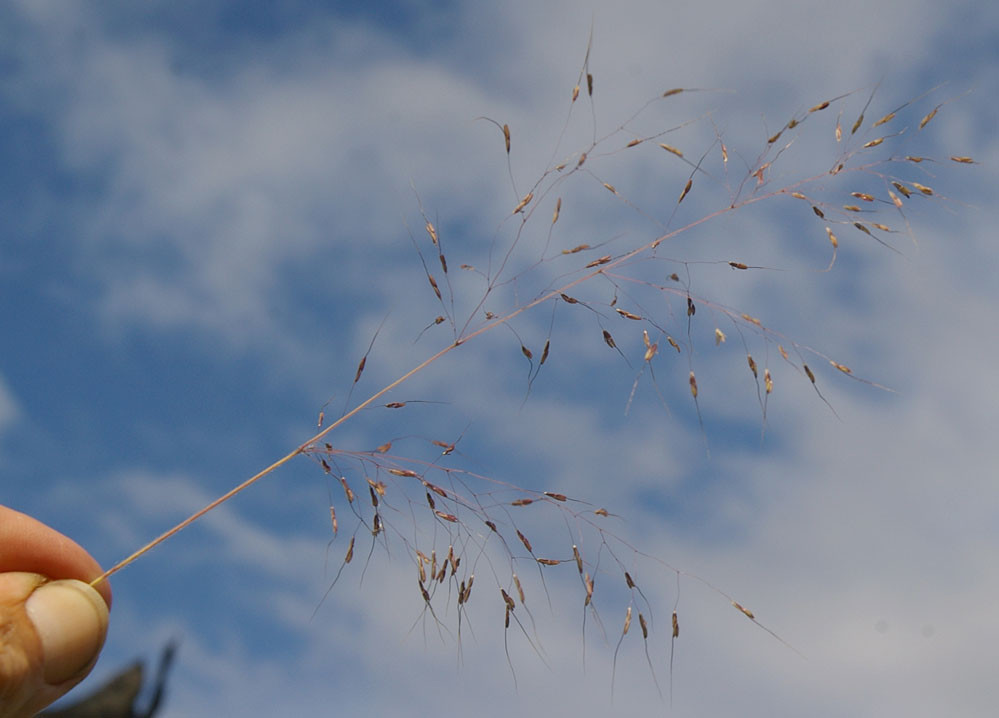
point(844, 369)
point(930, 116)
point(686, 189)
point(524, 202)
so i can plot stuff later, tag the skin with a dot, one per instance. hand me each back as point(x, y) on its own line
point(32, 555)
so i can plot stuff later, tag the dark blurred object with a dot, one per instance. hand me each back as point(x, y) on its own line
point(116, 698)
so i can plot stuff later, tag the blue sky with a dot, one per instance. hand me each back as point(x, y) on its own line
point(208, 211)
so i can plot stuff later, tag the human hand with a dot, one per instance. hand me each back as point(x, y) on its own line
point(52, 623)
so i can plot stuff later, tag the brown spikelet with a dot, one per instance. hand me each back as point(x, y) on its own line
point(326, 467)
point(492, 526)
point(686, 189)
point(597, 262)
point(808, 371)
point(752, 320)
point(526, 352)
point(602, 512)
point(633, 143)
point(322, 415)
point(443, 262)
point(350, 551)
point(674, 91)
point(430, 500)
point(672, 343)
point(575, 93)
point(783, 352)
point(645, 628)
point(746, 611)
point(774, 138)
point(574, 250)
point(719, 336)
point(676, 626)
point(360, 368)
point(675, 277)
point(610, 187)
point(627, 622)
point(792, 123)
point(544, 351)
point(914, 158)
point(520, 589)
point(347, 490)
point(670, 148)
point(557, 497)
point(588, 582)
point(844, 369)
point(930, 116)
point(403, 472)
point(693, 385)
point(558, 209)
point(895, 199)
point(420, 558)
point(861, 227)
point(384, 448)
point(923, 188)
point(752, 364)
point(691, 309)
point(724, 152)
point(798, 195)
point(857, 124)
point(887, 118)
point(874, 143)
point(963, 160)
point(832, 238)
point(768, 381)
point(395, 405)
point(507, 599)
point(433, 284)
point(820, 106)
point(651, 352)
point(582, 159)
point(609, 340)
point(447, 517)
point(579, 559)
point(436, 489)
point(589, 84)
point(738, 265)
point(506, 619)
point(374, 497)
point(548, 561)
point(627, 580)
point(628, 315)
point(523, 540)
point(903, 189)
point(522, 502)
point(376, 525)
point(524, 202)
point(864, 196)
point(882, 227)
point(818, 212)
point(506, 137)
point(851, 208)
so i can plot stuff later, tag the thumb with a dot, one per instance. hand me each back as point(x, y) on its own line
point(50, 635)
